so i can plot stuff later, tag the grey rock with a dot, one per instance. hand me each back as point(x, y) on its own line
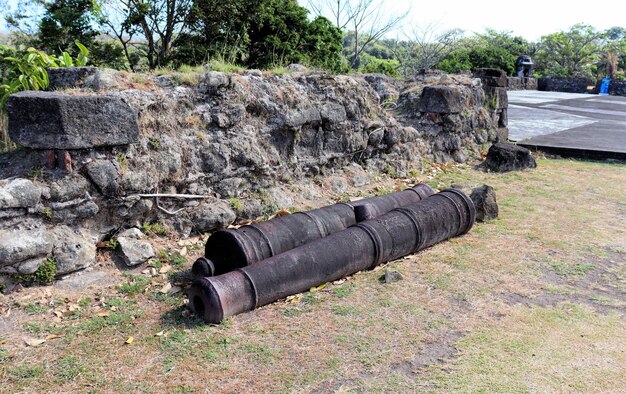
point(333, 112)
point(140, 208)
point(20, 245)
point(484, 198)
point(230, 187)
point(68, 188)
point(302, 116)
point(492, 77)
point(51, 120)
point(19, 193)
point(339, 185)
point(252, 209)
point(25, 267)
point(104, 174)
point(228, 116)
point(69, 77)
point(134, 251)
point(442, 99)
point(211, 216)
point(12, 213)
point(278, 197)
point(503, 157)
point(216, 79)
point(103, 79)
point(391, 276)
point(85, 209)
point(72, 250)
point(133, 233)
point(360, 180)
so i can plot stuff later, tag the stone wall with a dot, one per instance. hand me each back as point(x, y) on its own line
point(119, 150)
point(567, 85)
point(517, 83)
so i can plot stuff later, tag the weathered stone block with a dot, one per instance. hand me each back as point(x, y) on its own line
point(69, 77)
point(51, 120)
point(492, 77)
point(18, 246)
point(496, 98)
point(442, 99)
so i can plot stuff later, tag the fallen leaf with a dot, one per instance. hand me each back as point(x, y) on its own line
point(153, 271)
point(175, 289)
point(282, 212)
point(53, 336)
point(294, 298)
point(166, 288)
point(146, 271)
point(34, 342)
point(339, 282)
point(130, 340)
point(103, 313)
point(165, 269)
point(183, 251)
point(160, 334)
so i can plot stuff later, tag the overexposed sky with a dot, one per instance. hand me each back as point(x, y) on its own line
point(527, 18)
point(530, 19)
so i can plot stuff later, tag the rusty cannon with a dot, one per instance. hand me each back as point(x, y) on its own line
point(400, 232)
point(226, 250)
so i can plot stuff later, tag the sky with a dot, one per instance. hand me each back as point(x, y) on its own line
point(527, 18)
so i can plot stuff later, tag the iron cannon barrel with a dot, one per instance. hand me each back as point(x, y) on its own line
point(398, 233)
point(226, 250)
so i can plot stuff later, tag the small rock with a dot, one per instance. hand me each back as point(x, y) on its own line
point(211, 216)
point(484, 198)
point(280, 198)
point(391, 276)
point(134, 251)
point(104, 174)
point(133, 233)
point(69, 188)
point(216, 79)
point(339, 185)
point(361, 180)
point(503, 157)
point(23, 267)
point(19, 193)
point(230, 187)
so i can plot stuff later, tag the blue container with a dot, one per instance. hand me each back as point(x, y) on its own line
point(604, 87)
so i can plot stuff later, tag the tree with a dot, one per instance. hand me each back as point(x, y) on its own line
point(366, 20)
point(258, 34)
point(425, 48)
point(491, 49)
point(64, 22)
point(570, 54)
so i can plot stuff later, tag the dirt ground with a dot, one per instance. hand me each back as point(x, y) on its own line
point(534, 301)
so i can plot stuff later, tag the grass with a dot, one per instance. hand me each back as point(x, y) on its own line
point(452, 325)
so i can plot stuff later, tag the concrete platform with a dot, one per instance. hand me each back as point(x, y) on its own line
point(569, 124)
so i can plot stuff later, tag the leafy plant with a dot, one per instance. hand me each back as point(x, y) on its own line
point(29, 70)
point(44, 275)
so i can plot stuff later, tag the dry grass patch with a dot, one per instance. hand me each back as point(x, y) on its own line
point(550, 269)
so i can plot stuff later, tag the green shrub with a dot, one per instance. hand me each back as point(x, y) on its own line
point(44, 275)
